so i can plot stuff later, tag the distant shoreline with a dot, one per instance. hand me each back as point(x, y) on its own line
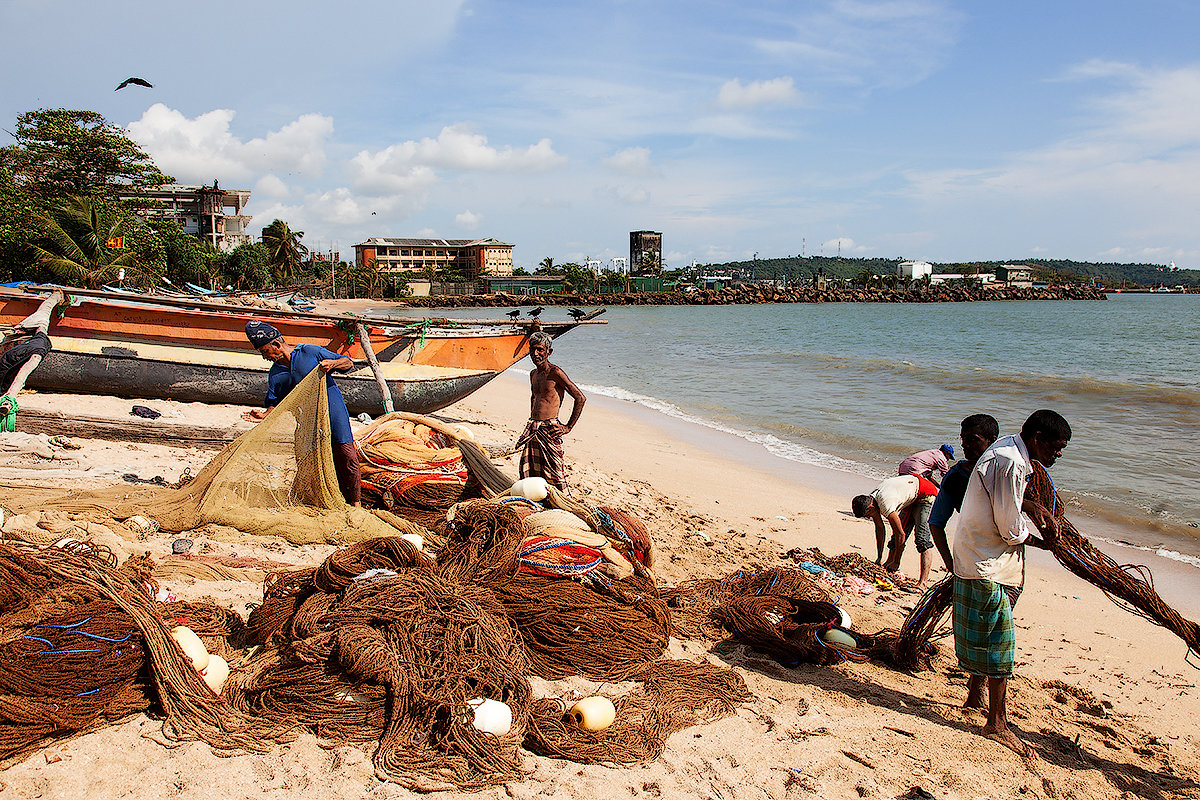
point(750, 295)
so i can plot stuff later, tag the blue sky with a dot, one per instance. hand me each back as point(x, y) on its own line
point(913, 128)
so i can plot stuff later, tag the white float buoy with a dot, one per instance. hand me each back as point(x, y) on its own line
point(844, 620)
point(415, 539)
point(839, 637)
point(489, 716)
point(534, 489)
point(594, 713)
point(215, 673)
point(191, 646)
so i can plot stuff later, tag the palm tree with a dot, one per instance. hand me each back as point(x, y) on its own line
point(77, 235)
point(285, 250)
point(546, 265)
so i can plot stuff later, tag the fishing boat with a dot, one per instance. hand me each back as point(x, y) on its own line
point(196, 350)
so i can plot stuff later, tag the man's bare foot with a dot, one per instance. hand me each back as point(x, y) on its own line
point(975, 701)
point(1006, 737)
point(922, 586)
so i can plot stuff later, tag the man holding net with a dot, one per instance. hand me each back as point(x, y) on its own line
point(989, 561)
point(541, 443)
point(292, 364)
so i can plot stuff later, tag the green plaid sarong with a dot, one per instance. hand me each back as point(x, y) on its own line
point(984, 637)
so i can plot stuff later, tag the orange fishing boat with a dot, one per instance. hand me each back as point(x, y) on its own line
point(196, 350)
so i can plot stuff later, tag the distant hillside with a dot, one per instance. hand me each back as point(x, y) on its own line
point(795, 269)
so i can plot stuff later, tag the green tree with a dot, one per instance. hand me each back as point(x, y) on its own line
point(286, 250)
point(546, 267)
point(19, 211)
point(61, 152)
point(247, 266)
point(74, 244)
point(366, 280)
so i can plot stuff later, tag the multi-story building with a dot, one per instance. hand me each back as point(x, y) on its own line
point(645, 251)
point(471, 258)
point(207, 212)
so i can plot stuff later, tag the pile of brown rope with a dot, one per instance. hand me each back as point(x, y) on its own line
point(483, 542)
point(395, 657)
point(605, 630)
point(694, 602)
point(674, 695)
point(1130, 586)
point(112, 618)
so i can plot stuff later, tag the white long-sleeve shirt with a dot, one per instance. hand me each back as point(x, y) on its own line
point(989, 541)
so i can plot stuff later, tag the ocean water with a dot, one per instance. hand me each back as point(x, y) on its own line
point(857, 387)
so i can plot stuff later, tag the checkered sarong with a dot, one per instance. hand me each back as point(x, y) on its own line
point(984, 637)
point(542, 453)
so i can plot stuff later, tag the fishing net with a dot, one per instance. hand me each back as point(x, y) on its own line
point(605, 630)
point(82, 641)
point(674, 695)
point(410, 468)
point(694, 602)
point(395, 653)
point(1130, 586)
point(276, 480)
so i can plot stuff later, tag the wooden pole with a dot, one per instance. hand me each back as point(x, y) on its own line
point(369, 351)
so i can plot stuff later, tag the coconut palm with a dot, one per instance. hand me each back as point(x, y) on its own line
point(75, 243)
point(285, 250)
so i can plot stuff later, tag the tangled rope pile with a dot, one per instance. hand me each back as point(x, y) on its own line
point(693, 603)
point(674, 695)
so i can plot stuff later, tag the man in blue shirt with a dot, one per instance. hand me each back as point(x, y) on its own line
point(291, 364)
point(977, 433)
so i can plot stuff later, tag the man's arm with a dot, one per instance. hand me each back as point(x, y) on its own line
point(1000, 480)
point(577, 400)
point(339, 364)
point(939, 515)
point(1045, 522)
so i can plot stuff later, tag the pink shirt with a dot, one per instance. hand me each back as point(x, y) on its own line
point(925, 462)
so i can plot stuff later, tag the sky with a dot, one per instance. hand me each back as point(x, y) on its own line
point(919, 129)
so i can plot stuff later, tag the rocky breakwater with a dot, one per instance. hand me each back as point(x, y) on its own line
point(743, 295)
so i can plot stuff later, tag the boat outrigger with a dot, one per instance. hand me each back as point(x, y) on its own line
point(153, 347)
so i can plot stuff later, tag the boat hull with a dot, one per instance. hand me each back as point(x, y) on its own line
point(128, 375)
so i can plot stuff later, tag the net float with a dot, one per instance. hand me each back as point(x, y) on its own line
point(594, 713)
point(191, 646)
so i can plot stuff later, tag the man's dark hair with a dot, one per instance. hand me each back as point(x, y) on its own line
point(1050, 425)
point(860, 504)
point(984, 425)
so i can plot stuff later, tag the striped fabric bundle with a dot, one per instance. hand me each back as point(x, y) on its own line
point(554, 556)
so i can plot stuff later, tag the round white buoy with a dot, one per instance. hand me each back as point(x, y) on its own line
point(415, 539)
point(215, 673)
point(490, 716)
point(839, 637)
point(844, 620)
point(534, 489)
point(465, 433)
point(191, 646)
point(594, 713)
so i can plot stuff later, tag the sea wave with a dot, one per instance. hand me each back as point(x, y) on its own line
point(791, 451)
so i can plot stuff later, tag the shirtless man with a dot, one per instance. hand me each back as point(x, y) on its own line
point(541, 442)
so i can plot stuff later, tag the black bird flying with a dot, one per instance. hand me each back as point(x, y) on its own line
point(136, 81)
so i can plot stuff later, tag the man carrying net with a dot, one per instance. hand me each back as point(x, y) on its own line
point(291, 364)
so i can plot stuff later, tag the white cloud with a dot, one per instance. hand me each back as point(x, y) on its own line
point(459, 147)
point(844, 245)
point(775, 92)
point(467, 220)
point(270, 186)
point(201, 149)
point(631, 161)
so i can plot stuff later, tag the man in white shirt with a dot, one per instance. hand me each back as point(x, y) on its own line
point(989, 561)
point(904, 501)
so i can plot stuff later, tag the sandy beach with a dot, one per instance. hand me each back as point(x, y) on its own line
point(1104, 699)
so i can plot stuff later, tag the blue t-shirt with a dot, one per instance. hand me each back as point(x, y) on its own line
point(282, 379)
point(950, 495)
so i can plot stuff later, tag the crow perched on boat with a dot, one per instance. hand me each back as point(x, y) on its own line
point(535, 311)
point(576, 313)
point(135, 81)
point(516, 312)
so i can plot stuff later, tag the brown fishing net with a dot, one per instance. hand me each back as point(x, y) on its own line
point(82, 639)
point(694, 602)
point(396, 656)
point(605, 630)
point(1131, 586)
point(674, 695)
